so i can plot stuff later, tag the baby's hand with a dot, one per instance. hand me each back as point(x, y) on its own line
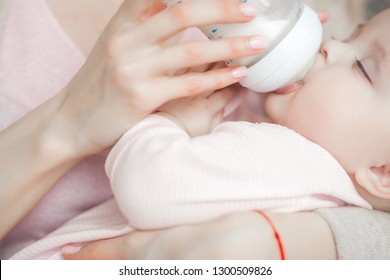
point(200, 114)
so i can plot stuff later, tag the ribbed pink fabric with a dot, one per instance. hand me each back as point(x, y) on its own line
point(37, 59)
point(102, 222)
point(161, 178)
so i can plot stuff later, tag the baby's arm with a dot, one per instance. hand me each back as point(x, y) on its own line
point(152, 159)
point(162, 177)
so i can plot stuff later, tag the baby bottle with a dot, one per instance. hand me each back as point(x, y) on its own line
point(294, 33)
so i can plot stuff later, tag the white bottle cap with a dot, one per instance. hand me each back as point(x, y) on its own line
point(291, 59)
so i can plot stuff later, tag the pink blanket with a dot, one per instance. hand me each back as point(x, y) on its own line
point(104, 221)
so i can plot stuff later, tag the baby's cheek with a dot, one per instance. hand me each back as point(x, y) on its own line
point(311, 117)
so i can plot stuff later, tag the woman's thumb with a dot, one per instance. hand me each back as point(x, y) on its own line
point(72, 252)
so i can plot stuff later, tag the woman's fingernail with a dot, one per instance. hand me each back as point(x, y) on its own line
point(239, 72)
point(70, 249)
point(248, 10)
point(257, 43)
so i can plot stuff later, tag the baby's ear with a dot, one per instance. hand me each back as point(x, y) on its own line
point(376, 180)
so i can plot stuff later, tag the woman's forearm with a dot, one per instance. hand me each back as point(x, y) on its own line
point(305, 235)
point(35, 152)
point(245, 235)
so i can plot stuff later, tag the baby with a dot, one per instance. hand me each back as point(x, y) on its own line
point(328, 145)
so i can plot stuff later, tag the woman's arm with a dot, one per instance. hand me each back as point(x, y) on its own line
point(124, 79)
point(243, 235)
point(35, 152)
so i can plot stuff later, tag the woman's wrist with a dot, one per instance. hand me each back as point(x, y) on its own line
point(71, 126)
point(35, 155)
point(61, 133)
point(49, 137)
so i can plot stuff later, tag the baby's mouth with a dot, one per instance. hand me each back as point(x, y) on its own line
point(289, 88)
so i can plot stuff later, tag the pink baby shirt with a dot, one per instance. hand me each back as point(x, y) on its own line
point(161, 177)
point(37, 59)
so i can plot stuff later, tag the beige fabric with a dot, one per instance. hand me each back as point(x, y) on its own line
point(3, 14)
point(360, 234)
point(346, 15)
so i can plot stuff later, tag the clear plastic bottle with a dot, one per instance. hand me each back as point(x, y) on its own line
point(294, 33)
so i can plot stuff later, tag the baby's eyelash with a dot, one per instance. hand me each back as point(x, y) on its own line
point(361, 68)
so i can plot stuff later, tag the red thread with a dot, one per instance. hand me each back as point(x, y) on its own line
point(276, 233)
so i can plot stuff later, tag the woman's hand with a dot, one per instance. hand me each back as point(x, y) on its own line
point(236, 236)
point(126, 76)
point(128, 73)
point(324, 16)
point(199, 114)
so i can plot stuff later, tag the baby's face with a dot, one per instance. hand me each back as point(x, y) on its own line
point(344, 104)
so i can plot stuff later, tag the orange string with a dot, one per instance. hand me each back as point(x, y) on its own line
point(276, 233)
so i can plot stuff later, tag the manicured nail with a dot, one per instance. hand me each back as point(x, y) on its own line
point(248, 10)
point(70, 249)
point(239, 72)
point(257, 43)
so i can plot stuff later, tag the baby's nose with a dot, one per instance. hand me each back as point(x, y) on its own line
point(334, 50)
